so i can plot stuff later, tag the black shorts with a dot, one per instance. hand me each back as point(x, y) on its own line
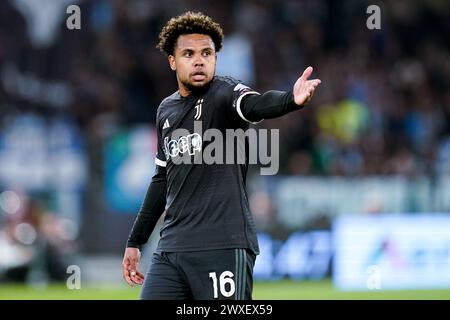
point(200, 275)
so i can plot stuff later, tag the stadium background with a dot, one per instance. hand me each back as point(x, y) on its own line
point(361, 205)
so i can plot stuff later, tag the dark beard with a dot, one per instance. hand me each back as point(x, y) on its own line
point(195, 90)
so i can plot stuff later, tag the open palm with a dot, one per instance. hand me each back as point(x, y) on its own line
point(304, 88)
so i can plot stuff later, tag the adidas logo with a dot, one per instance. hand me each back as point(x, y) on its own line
point(166, 124)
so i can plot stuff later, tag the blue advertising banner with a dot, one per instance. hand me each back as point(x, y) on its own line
point(392, 252)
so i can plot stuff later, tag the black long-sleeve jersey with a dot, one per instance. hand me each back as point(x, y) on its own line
point(206, 205)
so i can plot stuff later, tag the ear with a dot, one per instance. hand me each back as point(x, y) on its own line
point(172, 63)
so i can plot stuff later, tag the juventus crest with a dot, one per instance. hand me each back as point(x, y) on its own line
point(198, 109)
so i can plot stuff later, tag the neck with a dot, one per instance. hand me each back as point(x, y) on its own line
point(184, 92)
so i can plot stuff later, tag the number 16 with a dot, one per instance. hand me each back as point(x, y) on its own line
point(224, 278)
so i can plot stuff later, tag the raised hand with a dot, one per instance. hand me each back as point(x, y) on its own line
point(304, 88)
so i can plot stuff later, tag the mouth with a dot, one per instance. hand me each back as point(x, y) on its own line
point(198, 76)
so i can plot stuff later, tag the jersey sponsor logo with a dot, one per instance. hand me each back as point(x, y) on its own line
point(198, 109)
point(190, 144)
point(234, 146)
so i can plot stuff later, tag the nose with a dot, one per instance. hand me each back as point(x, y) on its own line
point(198, 62)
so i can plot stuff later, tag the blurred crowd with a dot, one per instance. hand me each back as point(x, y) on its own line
point(383, 106)
point(36, 245)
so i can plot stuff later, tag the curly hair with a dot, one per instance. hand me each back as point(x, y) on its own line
point(188, 23)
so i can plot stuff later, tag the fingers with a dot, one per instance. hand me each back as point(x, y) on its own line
point(126, 272)
point(128, 280)
point(130, 265)
point(310, 87)
point(314, 82)
point(137, 277)
point(140, 275)
point(132, 274)
point(307, 73)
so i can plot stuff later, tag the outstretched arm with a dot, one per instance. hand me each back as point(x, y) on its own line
point(273, 104)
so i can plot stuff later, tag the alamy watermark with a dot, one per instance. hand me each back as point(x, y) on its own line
point(74, 280)
point(234, 146)
point(374, 20)
point(73, 22)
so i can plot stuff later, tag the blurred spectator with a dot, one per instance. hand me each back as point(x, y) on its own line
point(36, 245)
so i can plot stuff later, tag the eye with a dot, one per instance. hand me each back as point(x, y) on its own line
point(206, 53)
point(188, 54)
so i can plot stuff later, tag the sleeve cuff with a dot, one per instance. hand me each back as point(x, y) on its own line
point(291, 105)
point(131, 244)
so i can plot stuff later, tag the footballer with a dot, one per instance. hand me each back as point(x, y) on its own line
point(208, 245)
